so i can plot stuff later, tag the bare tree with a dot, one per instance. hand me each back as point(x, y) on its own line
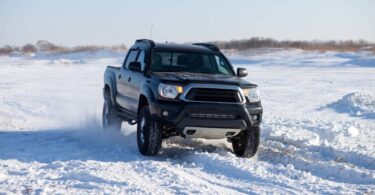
point(28, 48)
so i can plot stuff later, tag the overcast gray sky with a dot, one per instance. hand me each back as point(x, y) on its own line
point(77, 22)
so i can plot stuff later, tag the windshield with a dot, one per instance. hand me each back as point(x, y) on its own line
point(169, 61)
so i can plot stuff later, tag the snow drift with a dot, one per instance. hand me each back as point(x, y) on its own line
point(356, 104)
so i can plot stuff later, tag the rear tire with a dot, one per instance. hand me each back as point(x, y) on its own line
point(110, 120)
point(246, 143)
point(149, 136)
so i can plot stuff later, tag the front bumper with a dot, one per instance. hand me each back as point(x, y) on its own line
point(212, 115)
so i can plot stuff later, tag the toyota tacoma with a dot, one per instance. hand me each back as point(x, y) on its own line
point(188, 90)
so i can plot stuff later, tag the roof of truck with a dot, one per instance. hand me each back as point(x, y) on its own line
point(182, 47)
point(193, 47)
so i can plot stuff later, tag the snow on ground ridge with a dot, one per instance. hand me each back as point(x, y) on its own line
point(357, 104)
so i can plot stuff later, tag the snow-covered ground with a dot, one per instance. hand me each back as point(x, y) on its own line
point(318, 133)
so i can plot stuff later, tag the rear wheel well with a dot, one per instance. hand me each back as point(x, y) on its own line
point(107, 91)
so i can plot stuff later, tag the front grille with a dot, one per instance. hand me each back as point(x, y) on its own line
point(213, 116)
point(213, 95)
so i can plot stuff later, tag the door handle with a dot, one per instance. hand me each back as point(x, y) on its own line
point(129, 79)
point(119, 76)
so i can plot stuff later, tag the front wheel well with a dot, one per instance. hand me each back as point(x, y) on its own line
point(142, 102)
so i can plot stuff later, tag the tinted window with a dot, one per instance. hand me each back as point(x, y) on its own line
point(131, 57)
point(165, 61)
point(222, 65)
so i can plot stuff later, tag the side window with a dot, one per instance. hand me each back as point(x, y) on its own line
point(141, 59)
point(131, 57)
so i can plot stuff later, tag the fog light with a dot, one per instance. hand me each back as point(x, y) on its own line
point(255, 117)
point(230, 134)
point(190, 132)
point(164, 113)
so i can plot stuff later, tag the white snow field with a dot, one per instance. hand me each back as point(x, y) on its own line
point(318, 132)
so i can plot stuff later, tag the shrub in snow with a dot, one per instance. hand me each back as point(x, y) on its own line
point(28, 48)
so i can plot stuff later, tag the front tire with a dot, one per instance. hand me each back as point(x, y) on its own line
point(246, 143)
point(149, 135)
point(110, 120)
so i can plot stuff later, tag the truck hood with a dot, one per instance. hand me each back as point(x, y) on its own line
point(186, 78)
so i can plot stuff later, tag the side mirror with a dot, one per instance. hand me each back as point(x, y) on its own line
point(135, 66)
point(241, 72)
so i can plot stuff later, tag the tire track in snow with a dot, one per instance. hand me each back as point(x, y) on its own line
point(181, 174)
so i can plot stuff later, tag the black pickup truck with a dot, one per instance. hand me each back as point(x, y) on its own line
point(188, 90)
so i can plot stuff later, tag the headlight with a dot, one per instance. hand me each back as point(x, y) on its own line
point(253, 94)
point(169, 91)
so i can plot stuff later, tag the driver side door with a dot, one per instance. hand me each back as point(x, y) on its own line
point(124, 90)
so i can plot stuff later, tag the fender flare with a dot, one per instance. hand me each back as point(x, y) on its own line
point(110, 81)
point(147, 92)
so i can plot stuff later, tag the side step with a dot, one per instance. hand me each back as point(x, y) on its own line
point(128, 115)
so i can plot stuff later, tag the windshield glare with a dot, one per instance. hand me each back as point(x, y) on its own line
point(167, 61)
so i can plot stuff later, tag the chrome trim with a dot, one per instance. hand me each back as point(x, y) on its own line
point(210, 133)
point(212, 86)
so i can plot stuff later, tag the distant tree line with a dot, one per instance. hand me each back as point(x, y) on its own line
point(46, 46)
point(258, 42)
point(244, 44)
